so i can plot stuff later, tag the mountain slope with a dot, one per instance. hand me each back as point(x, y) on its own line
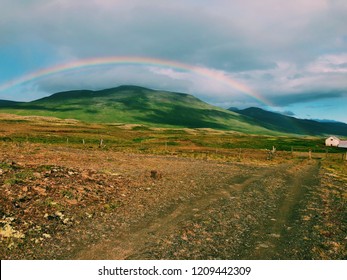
point(8, 104)
point(286, 124)
point(131, 104)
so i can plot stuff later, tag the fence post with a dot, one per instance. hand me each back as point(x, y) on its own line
point(310, 154)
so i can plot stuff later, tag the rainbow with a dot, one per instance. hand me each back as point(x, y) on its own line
point(143, 61)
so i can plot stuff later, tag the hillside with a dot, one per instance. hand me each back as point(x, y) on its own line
point(286, 124)
point(132, 104)
point(8, 104)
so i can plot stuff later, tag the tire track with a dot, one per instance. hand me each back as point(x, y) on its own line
point(278, 235)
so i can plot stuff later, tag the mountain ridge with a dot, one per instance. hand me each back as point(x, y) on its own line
point(137, 105)
point(288, 124)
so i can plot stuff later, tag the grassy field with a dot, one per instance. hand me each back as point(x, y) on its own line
point(141, 138)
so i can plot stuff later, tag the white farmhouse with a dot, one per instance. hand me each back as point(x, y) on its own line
point(332, 141)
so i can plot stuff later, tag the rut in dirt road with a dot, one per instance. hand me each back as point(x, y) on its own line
point(280, 237)
point(243, 217)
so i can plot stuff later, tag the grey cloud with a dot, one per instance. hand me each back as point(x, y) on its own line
point(97, 78)
point(292, 98)
point(184, 31)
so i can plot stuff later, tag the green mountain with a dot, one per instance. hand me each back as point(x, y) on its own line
point(132, 104)
point(286, 124)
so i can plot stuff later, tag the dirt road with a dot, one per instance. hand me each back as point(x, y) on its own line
point(126, 206)
point(246, 215)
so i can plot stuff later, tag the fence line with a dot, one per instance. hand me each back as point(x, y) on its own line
point(258, 154)
point(206, 153)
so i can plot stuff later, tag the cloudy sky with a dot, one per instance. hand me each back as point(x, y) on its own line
point(287, 56)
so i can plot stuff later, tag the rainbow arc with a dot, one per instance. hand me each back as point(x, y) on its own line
point(218, 76)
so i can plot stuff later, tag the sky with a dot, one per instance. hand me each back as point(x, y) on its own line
point(284, 56)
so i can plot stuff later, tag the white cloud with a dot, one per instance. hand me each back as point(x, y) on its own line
point(336, 63)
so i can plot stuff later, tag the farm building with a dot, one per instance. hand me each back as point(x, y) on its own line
point(343, 144)
point(332, 141)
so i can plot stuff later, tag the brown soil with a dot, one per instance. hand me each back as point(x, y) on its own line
point(67, 203)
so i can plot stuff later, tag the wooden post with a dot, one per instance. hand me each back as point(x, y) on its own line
point(67, 140)
point(310, 154)
point(101, 143)
point(83, 142)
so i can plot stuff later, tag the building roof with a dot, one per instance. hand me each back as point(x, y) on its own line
point(334, 137)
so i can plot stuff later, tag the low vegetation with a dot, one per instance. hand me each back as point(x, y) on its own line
point(141, 138)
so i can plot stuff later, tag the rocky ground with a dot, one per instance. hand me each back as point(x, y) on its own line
point(67, 203)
